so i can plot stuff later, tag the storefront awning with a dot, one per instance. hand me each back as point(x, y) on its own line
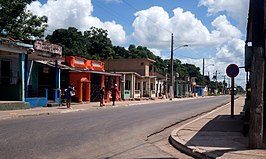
point(73, 69)
point(52, 64)
point(97, 72)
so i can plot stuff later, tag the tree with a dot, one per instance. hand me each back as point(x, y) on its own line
point(120, 52)
point(71, 40)
point(16, 22)
point(92, 44)
point(240, 89)
point(101, 44)
point(95, 44)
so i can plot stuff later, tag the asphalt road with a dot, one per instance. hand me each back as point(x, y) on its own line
point(120, 132)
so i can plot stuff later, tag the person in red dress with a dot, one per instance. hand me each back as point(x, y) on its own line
point(114, 92)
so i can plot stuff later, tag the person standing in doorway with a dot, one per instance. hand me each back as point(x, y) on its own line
point(114, 91)
point(69, 92)
point(101, 96)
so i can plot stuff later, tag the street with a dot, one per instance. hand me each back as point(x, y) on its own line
point(120, 132)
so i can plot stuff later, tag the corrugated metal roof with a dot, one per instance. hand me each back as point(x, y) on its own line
point(73, 69)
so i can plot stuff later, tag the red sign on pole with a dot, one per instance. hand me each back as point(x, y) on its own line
point(232, 70)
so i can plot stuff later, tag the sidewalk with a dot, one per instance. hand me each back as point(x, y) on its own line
point(215, 135)
point(7, 114)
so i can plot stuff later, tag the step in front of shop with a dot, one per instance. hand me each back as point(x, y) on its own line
point(13, 105)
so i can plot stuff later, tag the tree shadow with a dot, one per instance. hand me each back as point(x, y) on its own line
point(220, 135)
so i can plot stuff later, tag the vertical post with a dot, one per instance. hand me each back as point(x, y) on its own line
point(26, 75)
point(141, 88)
point(172, 67)
point(166, 86)
point(57, 93)
point(185, 89)
point(176, 86)
point(224, 85)
point(216, 82)
point(22, 75)
point(149, 87)
point(203, 80)
point(132, 89)
point(124, 86)
point(256, 108)
point(102, 85)
point(257, 74)
point(232, 96)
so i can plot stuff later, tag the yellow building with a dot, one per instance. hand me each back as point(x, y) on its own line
point(139, 84)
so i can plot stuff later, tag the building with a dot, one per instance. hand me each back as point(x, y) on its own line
point(88, 77)
point(20, 77)
point(142, 78)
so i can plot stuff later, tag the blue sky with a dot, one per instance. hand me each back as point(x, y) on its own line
point(212, 29)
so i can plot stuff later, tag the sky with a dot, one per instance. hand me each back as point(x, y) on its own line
point(213, 29)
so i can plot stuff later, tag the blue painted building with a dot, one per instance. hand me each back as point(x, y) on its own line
point(19, 74)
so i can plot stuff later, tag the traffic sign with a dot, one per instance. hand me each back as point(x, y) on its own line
point(232, 70)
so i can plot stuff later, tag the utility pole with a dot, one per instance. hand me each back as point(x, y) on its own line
point(203, 87)
point(257, 73)
point(172, 67)
point(166, 85)
point(216, 85)
point(224, 84)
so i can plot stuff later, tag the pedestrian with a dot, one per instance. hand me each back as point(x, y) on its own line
point(69, 92)
point(114, 91)
point(101, 96)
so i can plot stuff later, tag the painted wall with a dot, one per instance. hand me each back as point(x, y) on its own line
point(140, 66)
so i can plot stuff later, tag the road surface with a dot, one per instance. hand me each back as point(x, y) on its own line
point(119, 132)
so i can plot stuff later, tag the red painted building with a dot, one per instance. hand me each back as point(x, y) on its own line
point(88, 76)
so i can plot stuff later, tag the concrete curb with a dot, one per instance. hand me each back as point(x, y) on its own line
point(187, 150)
point(50, 110)
point(180, 144)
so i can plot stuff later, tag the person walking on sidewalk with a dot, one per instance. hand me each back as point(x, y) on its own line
point(69, 92)
point(114, 91)
point(101, 96)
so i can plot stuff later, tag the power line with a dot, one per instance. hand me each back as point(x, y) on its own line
point(135, 9)
point(112, 11)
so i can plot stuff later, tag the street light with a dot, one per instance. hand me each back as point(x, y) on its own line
point(172, 65)
point(216, 76)
point(203, 80)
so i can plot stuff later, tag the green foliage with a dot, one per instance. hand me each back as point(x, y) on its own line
point(100, 44)
point(119, 52)
point(71, 40)
point(95, 44)
point(240, 89)
point(17, 23)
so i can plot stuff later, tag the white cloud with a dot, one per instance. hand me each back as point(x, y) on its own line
point(156, 52)
point(230, 52)
point(75, 13)
point(153, 27)
point(237, 9)
point(224, 30)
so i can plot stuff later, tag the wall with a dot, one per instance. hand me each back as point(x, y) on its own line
point(132, 65)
